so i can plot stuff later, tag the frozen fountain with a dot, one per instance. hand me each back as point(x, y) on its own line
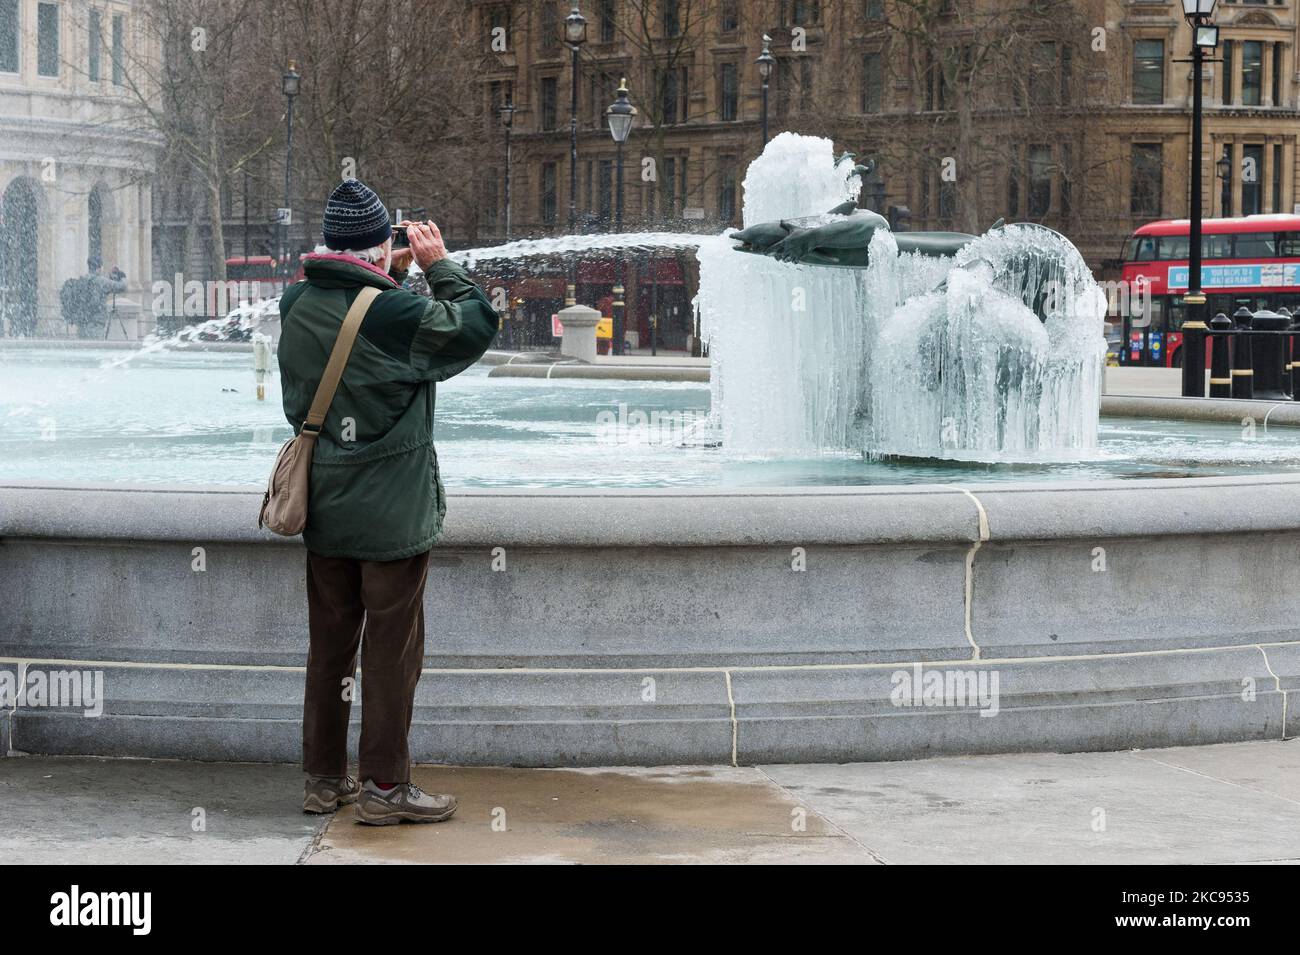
point(992, 353)
point(631, 558)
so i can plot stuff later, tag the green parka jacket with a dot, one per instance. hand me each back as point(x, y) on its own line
point(376, 493)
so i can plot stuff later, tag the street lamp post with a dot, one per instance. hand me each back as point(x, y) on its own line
point(1204, 36)
point(289, 84)
point(507, 120)
point(1224, 169)
point(620, 116)
point(766, 63)
point(575, 34)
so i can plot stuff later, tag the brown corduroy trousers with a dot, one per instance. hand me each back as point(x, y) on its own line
point(378, 608)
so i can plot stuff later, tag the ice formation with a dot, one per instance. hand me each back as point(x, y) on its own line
point(994, 354)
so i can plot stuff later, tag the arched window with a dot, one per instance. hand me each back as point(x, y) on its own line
point(95, 223)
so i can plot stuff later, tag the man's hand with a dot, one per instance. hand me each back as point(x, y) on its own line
point(401, 260)
point(426, 243)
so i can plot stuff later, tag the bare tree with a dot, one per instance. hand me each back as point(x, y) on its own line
point(664, 37)
point(953, 93)
point(190, 79)
point(389, 95)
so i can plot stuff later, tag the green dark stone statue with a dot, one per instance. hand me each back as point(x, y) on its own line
point(844, 242)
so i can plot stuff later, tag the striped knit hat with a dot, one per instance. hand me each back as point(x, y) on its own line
point(355, 218)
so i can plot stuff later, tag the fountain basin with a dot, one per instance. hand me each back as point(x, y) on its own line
point(660, 626)
point(188, 417)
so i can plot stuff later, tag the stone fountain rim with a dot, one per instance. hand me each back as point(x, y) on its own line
point(920, 516)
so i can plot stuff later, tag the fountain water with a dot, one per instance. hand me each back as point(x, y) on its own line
point(992, 354)
point(995, 353)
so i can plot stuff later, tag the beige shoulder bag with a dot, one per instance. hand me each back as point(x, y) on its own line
point(284, 506)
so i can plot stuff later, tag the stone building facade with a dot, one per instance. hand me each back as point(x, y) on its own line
point(1073, 113)
point(75, 163)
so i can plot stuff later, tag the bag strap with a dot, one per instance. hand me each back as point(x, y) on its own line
point(329, 382)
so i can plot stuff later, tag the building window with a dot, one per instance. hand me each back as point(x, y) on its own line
point(1149, 71)
point(947, 201)
point(1225, 189)
point(95, 224)
point(1044, 89)
point(1013, 182)
point(672, 19)
point(730, 16)
point(1277, 74)
point(672, 95)
point(1277, 178)
point(500, 92)
point(927, 79)
point(608, 25)
point(1252, 171)
point(549, 94)
point(1066, 185)
point(601, 90)
point(872, 83)
point(1067, 74)
point(119, 50)
point(1040, 181)
point(1252, 72)
point(9, 36)
point(498, 19)
point(606, 207)
point(727, 188)
point(547, 204)
point(674, 185)
point(491, 206)
point(1146, 188)
point(805, 83)
point(47, 39)
point(1227, 47)
point(550, 28)
point(728, 93)
point(95, 45)
point(801, 12)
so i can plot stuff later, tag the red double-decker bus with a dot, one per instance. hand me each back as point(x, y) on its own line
point(1252, 261)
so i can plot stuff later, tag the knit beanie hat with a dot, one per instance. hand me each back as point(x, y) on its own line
point(355, 218)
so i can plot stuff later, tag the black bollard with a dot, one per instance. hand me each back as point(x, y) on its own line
point(1269, 355)
point(1243, 372)
point(1220, 358)
point(1193, 352)
point(1294, 343)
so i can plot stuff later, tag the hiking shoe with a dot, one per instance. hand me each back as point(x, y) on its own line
point(327, 793)
point(405, 802)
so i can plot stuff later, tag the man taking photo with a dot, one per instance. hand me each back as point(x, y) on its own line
point(376, 496)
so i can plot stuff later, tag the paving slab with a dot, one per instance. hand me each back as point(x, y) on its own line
point(56, 809)
point(659, 815)
point(1232, 803)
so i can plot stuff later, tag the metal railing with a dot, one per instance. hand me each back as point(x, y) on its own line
point(1252, 355)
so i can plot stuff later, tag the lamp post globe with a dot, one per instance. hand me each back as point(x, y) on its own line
point(620, 114)
point(575, 28)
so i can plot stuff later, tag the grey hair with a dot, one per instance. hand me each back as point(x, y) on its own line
point(373, 255)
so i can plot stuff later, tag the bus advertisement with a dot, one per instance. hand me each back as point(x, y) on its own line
point(1252, 262)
